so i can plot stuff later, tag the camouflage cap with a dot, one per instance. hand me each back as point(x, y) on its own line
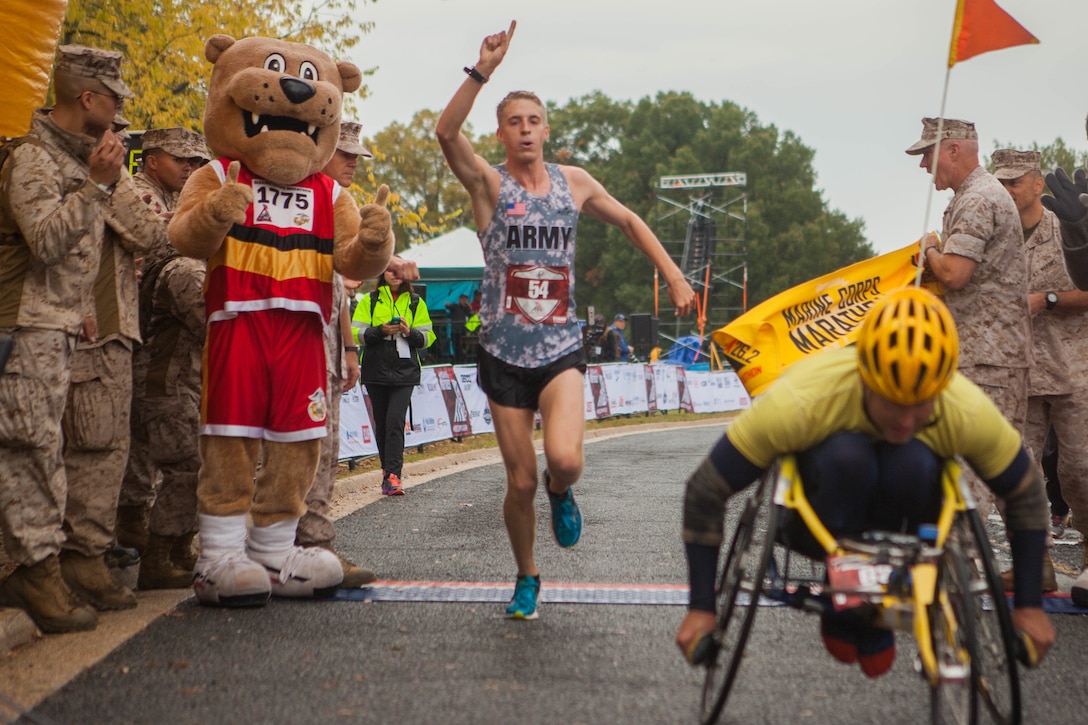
point(200, 147)
point(1012, 164)
point(102, 65)
point(120, 123)
point(350, 142)
point(177, 141)
point(950, 128)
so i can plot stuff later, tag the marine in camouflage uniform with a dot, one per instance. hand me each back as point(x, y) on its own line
point(983, 268)
point(65, 203)
point(1058, 383)
point(97, 416)
point(166, 382)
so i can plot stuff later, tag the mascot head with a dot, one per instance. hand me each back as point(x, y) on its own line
point(274, 105)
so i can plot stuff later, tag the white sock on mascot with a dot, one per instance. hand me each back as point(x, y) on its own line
point(272, 229)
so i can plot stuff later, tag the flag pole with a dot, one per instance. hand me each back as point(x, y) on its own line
point(932, 185)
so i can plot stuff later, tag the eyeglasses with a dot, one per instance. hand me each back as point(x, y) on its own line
point(118, 101)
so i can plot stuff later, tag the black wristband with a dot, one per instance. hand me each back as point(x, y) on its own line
point(476, 75)
point(351, 348)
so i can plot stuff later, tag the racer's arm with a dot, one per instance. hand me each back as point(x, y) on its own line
point(1026, 514)
point(722, 473)
point(705, 494)
point(474, 173)
point(595, 201)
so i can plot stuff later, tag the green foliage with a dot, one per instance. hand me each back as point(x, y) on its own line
point(789, 235)
point(163, 43)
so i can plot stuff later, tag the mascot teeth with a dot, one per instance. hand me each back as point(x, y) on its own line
point(256, 123)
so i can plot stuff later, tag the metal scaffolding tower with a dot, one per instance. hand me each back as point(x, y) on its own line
point(713, 255)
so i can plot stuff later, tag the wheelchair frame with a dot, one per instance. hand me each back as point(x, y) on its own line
point(946, 592)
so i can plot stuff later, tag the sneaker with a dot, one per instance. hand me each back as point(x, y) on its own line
point(566, 518)
point(231, 580)
point(299, 572)
point(1057, 526)
point(523, 605)
point(391, 485)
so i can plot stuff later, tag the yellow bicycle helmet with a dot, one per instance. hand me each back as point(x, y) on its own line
point(907, 346)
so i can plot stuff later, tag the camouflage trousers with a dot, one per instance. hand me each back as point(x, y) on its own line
point(33, 392)
point(96, 433)
point(142, 476)
point(1069, 416)
point(173, 430)
point(315, 528)
point(1008, 388)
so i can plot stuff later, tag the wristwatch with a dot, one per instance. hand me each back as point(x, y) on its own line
point(1051, 300)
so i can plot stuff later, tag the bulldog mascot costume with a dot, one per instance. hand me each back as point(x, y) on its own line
point(273, 229)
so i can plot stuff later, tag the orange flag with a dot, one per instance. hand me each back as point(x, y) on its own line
point(982, 26)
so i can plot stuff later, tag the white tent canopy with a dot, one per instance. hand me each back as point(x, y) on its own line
point(457, 249)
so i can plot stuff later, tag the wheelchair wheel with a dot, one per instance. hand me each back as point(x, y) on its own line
point(953, 698)
point(998, 680)
point(738, 594)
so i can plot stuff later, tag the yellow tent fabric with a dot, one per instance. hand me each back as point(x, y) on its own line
point(29, 30)
point(819, 314)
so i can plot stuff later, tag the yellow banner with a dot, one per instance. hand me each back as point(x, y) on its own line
point(822, 313)
point(29, 30)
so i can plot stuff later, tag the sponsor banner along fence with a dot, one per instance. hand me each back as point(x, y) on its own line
point(448, 403)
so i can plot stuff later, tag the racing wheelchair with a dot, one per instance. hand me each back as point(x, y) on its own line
point(941, 585)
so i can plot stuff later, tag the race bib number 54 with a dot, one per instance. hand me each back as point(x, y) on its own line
point(537, 293)
point(284, 207)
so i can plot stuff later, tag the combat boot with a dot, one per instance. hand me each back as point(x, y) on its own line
point(40, 591)
point(132, 524)
point(183, 554)
point(90, 580)
point(355, 576)
point(157, 570)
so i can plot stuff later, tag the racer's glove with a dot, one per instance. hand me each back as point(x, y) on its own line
point(1070, 196)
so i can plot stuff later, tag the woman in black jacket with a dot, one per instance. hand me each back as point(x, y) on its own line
point(392, 325)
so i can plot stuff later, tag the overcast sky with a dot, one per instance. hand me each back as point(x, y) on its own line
point(851, 78)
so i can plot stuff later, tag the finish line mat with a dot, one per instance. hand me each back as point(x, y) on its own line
point(562, 593)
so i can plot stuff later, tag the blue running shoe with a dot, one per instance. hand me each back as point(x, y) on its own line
point(566, 518)
point(523, 605)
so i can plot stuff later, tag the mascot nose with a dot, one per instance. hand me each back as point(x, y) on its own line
point(297, 90)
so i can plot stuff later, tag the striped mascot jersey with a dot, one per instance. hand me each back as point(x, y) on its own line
point(281, 257)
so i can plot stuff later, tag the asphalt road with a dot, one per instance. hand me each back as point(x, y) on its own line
point(458, 662)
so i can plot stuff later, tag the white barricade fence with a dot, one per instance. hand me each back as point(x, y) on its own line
point(479, 412)
point(449, 404)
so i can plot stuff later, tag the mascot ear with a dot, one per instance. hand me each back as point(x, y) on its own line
point(350, 76)
point(216, 45)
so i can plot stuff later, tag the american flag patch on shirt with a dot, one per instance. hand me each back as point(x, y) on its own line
point(515, 209)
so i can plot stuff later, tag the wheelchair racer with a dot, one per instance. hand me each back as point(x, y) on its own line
point(870, 426)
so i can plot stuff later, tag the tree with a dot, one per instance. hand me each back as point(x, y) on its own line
point(163, 43)
point(426, 199)
point(790, 235)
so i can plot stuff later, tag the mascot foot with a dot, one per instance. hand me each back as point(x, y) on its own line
point(295, 571)
point(231, 581)
point(224, 576)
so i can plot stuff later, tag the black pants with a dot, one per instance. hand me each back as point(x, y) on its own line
point(855, 485)
point(390, 403)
